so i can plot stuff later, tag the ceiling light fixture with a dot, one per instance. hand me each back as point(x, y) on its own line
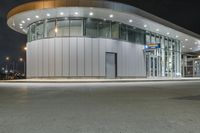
point(157, 30)
point(130, 21)
point(177, 36)
point(37, 16)
point(76, 13)
point(145, 26)
point(111, 15)
point(23, 21)
point(91, 13)
point(61, 13)
point(168, 33)
point(186, 39)
point(48, 15)
point(28, 19)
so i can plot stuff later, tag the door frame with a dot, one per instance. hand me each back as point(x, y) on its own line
point(116, 71)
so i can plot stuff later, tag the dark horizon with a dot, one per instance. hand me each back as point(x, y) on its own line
point(180, 12)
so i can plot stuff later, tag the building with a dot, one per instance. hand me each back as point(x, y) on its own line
point(100, 39)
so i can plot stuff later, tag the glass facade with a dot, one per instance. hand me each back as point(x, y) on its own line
point(95, 28)
point(167, 56)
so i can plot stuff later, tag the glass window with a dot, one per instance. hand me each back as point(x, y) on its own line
point(139, 36)
point(76, 27)
point(148, 39)
point(91, 27)
point(115, 30)
point(123, 32)
point(131, 36)
point(51, 28)
point(62, 27)
point(153, 39)
point(39, 30)
point(104, 29)
point(32, 32)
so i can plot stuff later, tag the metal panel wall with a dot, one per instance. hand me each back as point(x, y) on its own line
point(82, 57)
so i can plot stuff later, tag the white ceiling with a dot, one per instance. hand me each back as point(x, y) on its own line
point(189, 43)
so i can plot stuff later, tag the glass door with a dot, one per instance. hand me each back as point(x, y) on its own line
point(153, 66)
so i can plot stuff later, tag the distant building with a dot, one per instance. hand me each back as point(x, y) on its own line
point(99, 39)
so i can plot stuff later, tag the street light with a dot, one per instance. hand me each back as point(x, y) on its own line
point(23, 61)
point(25, 48)
point(7, 58)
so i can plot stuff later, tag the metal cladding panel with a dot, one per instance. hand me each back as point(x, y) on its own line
point(95, 57)
point(58, 57)
point(46, 58)
point(66, 52)
point(51, 57)
point(35, 59)
point(40, 58)
point(102, 50)
point(29, 60)
point(73, 57)
point(88, 57)
point(81, 56)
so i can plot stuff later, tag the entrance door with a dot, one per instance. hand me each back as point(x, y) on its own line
point(111, 65)
point(153, 66)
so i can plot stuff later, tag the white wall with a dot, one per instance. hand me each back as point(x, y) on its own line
point(82, 57)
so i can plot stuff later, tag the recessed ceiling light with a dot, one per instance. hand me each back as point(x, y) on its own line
point(48, 15)
point(61, 13)
point(177, 36)
point(190, 48)
point(23, 21)
point(20, 24)
point(28, 19)
point(76, 13)
point(183, 46)
point(186, 39)
point(111, 15)
point(37, 16)
point(145, 26)
point(91, 13)
point(168, 33)
point(157, 29)
point(21, 27)
point(130, 21)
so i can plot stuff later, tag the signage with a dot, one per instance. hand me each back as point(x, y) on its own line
point(152, 46)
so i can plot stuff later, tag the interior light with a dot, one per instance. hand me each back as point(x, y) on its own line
point(91, 13)
point(23, 21)
point(56, 29)
point(28, 19)
point(183, 46)
point(130, 21)
point(186, 39)
point(168, 33)
point(37, 16)
point(76, 13)
point(61, 13)
point(199, 56)
point(104, 19)
point(190, 48)
point(145, 26)
point(157, 29)
point(177, 36)
point(111, 15)
point(21, 27)
point(20, 24)
point(48, 15)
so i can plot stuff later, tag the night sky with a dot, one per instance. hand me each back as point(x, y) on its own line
point(185, 13)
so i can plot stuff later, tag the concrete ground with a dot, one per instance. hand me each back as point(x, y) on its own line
point(139, 107)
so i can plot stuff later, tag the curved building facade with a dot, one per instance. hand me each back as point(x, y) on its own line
point(99, 39)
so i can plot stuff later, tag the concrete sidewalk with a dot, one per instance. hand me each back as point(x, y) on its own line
point(62, 80)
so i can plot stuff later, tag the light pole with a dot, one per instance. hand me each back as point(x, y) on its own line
point(6, 71)
point(23, 61)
